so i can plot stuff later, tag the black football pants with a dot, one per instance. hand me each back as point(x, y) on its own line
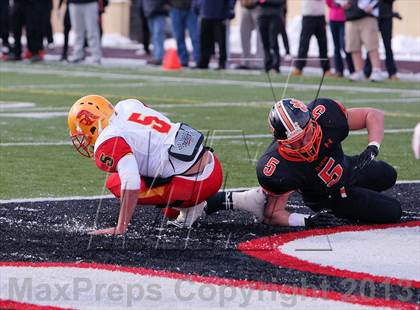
point(364, 201)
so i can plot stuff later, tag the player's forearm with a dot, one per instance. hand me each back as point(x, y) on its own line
point(375, 125)
point(275, 210)
point(128, 205)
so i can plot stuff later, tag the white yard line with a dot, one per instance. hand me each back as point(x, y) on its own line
point(15, 105)
point(32, 115)
point(71, 198)
point(202, 81)
point(224, 137)
point(219, 104)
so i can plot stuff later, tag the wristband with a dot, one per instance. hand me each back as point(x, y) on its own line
point(377, 144)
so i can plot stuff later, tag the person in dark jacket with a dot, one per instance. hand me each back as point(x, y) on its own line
point(145, 31)
point(385, 27)
point(4, 28)
point(214, 15)
point(313, 23)
point(28, 14)
point(66, 31)
point(48, 32)
point(156, 12)
point(184, 17)
point(269, 18)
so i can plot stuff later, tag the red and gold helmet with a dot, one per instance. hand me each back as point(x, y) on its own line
point(298, 134)
point(87, 118)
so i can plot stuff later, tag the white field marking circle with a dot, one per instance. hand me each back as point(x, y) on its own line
point(203, 81)
point(88, 288)
point(15, 105)
point(211, 138)
point(387, 252)
point(50, 199)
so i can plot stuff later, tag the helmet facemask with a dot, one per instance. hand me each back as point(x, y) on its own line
point(304, 145)
point(82, 144)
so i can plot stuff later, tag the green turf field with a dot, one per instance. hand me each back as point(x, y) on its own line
point(37, 161)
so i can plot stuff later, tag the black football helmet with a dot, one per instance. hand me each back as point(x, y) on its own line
point(298, 134)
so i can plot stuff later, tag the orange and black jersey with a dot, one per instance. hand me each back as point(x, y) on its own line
point(325, 175)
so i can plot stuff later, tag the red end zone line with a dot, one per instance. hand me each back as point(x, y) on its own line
point(283, 289)
point(269, 249)
point(9, 304)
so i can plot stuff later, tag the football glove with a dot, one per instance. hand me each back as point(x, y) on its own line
point(366, 157)
point(319, 219)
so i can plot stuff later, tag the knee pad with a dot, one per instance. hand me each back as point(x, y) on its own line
point(389, 176)
point(394, 211)
point(380, 176)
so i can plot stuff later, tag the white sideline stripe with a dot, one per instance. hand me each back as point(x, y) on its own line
point(203, 81)
point(211, 138)
point(220, 104)
point(38, 115)
point(44, 113)
point(15, 105)
point(98, 197)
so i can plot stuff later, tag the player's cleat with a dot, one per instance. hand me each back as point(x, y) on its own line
point(253, 201)
point(188, 216)
point(170, 213)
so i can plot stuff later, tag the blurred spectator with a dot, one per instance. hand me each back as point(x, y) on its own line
point(102, 5)
point(4, 28)
point(156, 12)
point(18, 11)
point(214, 14)
point(184, 17)
point(313, 23)
point(283, 32)
point(269, 14)
point(362, 29)
point(28, 14)
point(84, 20)
point(145, 32)
point(67, 28)
point(247, 26)
point(37, 16)
point(385, 27)
point(337, 20)
point(48, 33)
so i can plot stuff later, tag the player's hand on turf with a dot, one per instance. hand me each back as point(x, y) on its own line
point(319, 219)
point(107, 231)
point(366, 157)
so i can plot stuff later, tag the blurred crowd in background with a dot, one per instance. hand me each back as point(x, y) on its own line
point(354, 24)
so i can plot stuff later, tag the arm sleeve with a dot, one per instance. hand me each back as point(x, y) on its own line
point(129, 172)
point(278, 183)
point(342, 108)
point(109, 153)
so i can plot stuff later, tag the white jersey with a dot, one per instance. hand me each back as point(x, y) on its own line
point(145, 133)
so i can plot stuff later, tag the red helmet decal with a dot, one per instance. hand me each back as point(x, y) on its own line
point(299, 105)
point(86, 118)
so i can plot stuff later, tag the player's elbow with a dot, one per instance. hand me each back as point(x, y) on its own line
point(376, 116)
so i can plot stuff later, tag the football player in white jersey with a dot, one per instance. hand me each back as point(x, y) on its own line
point(152, 160)
point(415, 144)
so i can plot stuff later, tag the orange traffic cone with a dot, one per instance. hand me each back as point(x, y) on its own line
point(171, 60)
